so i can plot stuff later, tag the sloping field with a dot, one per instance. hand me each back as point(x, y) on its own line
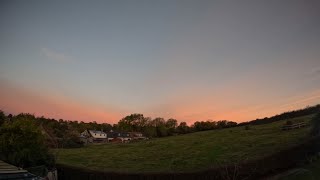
point(191, 152)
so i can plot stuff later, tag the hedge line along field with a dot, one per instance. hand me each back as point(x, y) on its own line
point(307, 172)
point(187, 153)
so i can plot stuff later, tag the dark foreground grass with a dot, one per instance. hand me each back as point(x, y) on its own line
point(308, 172)
point(191, 152)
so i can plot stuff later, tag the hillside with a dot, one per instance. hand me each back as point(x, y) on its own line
point(190, 152)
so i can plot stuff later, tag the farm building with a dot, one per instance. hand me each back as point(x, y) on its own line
point(93, 136)
point(137, 136)
point(118, 136)
point(114, 136)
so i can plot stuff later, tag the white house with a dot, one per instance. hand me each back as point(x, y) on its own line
point(90, 136)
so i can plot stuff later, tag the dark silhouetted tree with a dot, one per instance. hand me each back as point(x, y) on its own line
point(183, 128)
point(171, 126)
point(22, 143)
point(2, 118)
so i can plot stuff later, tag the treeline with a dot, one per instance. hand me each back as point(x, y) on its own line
point(283, 116)
point(159, 127)
point(63, 133)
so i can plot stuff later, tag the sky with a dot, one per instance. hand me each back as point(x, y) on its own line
point(188, 60)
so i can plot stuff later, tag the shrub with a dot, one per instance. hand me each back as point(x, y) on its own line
point(288, 122)
point(72, 142)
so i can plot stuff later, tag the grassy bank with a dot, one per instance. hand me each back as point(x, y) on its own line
point(189, 152)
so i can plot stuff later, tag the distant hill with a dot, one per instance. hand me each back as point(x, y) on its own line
point(283, 116)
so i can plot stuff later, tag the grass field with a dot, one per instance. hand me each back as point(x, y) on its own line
point(189, 152)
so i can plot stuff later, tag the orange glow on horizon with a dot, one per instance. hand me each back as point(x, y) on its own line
point(16, 100)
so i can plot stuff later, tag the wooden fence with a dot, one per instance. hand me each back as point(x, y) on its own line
point(294, 126)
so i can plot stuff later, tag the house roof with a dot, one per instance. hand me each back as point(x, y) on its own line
point(98, 134)
point(8, 171)
point(114, 134)
point(8, 168)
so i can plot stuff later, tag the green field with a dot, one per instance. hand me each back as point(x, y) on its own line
point(189, 152)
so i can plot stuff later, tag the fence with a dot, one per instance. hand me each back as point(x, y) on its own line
point(294, 126)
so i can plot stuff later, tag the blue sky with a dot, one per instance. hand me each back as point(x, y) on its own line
point(190, 60)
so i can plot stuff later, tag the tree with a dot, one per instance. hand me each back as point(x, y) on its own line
point(71, 140)
point(231, 124)
point(171, 125)
point(105, 127)
point(2, 118)
point(133, 122)
point(222, 124)
point(183, 128)
point(22, 143)
point(10, 117)
point(160, 125)
point(150, 131)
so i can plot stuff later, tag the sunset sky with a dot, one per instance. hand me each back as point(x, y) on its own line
point(188, 60)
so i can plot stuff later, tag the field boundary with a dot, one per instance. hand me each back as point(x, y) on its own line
point(294, 126)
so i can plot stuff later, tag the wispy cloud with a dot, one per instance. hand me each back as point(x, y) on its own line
point(55, 55)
